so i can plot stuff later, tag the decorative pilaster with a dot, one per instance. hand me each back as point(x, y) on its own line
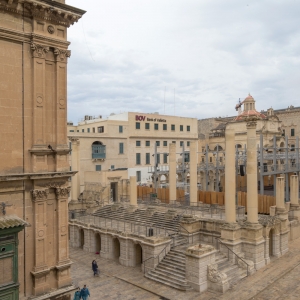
point(63, 261)
point(39, 110)
point(61, 56)
point(40, 269)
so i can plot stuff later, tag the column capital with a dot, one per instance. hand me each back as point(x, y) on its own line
point(61, 55)
point(62, 192)
point(39, 194)
point(251, 122)
point(38, 50)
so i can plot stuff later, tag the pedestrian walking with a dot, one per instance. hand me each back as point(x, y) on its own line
point(95, 268)
point(77, 294)
point(84, 293)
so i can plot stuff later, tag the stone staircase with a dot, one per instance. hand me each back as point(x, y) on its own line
point(157, 219)
point(171, 271)
point(233, 271)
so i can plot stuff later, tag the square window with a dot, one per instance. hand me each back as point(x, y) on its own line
point(165, 126)
point(101, 129)
point(112, 167)
point(188, 143)
point(165, 143)
point(77, 130)
point(137, 125)
point(147, 143)
point(188, 128)
point(181, 143)
point(157, 143)
point(98, 167)
point(138, 143)
point(120, 129)
point(71, 130)
point(147, 125)
point(94, 129)
point(82, 130)
point(173, 127)
point(174, 142)
point(88, 129)
point(181, 127)
point(155, 126)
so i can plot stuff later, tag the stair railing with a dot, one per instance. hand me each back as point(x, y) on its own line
point(188, 233)
point(236, 256)
point(164, 250)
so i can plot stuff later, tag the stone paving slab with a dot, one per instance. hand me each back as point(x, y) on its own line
point(278, 280)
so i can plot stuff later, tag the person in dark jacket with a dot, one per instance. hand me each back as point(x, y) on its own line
point(77, 294)
point(84, 293)
point(95, 268)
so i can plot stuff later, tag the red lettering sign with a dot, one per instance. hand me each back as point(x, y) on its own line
point(140, 118)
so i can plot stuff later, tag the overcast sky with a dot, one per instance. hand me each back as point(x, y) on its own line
point(130, 55)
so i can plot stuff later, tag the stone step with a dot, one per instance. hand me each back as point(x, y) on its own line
point(171, 282)
point(175, 257)
point(176, 253)
point(174, 262)
point(171, 268)
point(171, 275)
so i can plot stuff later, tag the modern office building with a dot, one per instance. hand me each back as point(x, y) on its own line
point(126, 141)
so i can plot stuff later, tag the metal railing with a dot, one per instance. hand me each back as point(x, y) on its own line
point(120, 225)
point(237, 257)
point(154, 257)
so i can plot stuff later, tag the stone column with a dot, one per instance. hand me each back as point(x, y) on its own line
point(252, 197)
point(294, 190)
point(193, 174)
point(75, 165)
point(230, 189)
point(280, 193)
point(133, 191)
point(294, 212)
point(172, 172)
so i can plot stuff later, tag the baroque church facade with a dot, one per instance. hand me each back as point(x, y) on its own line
point(34, 166)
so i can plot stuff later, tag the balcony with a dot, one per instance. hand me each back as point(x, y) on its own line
point(98, 151)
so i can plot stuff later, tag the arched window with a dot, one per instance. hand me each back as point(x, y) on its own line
point(218, 148)
point(98, 150)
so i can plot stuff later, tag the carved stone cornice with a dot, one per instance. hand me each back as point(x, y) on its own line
point(62, 192)
point(74, 140)
point(53, 12)
point(39, 195)
point(39, 51)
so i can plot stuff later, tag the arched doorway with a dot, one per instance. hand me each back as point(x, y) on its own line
point(271, 233)
point(138, 254)
point(116, 249)
point(81, 237)
point(98, 243)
